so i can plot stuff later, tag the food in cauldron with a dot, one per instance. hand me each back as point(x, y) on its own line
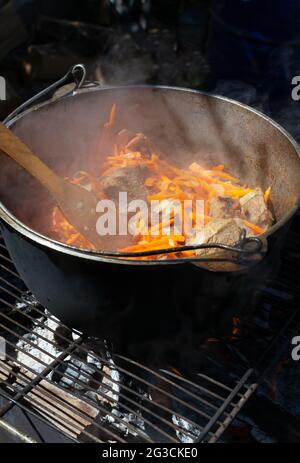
point(134, 166)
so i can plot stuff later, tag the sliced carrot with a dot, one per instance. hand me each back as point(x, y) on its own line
point(187, 253)
point(236, 192)
point(255, 228)
point(225, 176)
point(161, 195)
point(267, 194)
point(152, 246)
point(73, 238)
point(161, 225)
point(112, 116)
point(150, 181)
point(219, 167)
point(148, 239)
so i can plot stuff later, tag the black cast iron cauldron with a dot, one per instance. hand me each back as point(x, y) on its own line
point(109, 296)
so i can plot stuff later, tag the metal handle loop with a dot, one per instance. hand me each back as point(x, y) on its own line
point(256, 245)
point(76, 73)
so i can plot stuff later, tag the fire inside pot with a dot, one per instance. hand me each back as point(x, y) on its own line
point(134, 166)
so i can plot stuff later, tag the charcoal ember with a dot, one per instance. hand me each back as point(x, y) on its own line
point(31, 305)
point(255, 210)
point(74, 374)
point(127, 179)
point(69, 377)
point(81, 355)
point(63, 337)
point(58, 374)
point(224, 207)
point(88, 376)
point(95, 375)
point(102, 430)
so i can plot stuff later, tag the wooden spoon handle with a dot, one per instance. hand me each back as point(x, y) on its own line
point(11, 145)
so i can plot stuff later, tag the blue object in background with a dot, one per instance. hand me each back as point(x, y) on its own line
point(257, 42)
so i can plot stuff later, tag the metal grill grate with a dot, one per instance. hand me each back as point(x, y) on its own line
point(58, 379)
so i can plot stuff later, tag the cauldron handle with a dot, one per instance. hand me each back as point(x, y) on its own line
point(76, 74)
point(257, 245)
point(244, 254)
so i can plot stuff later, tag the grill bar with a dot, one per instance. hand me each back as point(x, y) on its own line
point(58, 361)
point(32, 412)
point(47, 417)
point(200, 388)
point(127, 408)
point(102, 360)
point(43, 376)
point(16, 433)
point(223, 407)
point(237, 408)
point(125, 371)
point(69, 419)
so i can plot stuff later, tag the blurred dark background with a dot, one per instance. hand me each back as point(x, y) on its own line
point(245, 49)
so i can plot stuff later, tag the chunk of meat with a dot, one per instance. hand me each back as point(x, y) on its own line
point(255, 210)
point(127, 179)
point(222, 231)
point(224, 207)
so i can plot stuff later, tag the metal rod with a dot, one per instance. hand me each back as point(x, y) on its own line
point(36, 415)
point(22, 395)
point(217, 383)
point(237, 408)
point(225, 404)
point(44, 377)
point(10, 271)
point(182, 402)
point(33, 425)
point(197, 386)
point(239, 248)
point(38, 377)
point(16, 433)
point(86, 375)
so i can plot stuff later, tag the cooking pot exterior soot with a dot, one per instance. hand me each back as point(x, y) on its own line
point(105, 295)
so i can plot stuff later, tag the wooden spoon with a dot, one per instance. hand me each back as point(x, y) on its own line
point(76, 203)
